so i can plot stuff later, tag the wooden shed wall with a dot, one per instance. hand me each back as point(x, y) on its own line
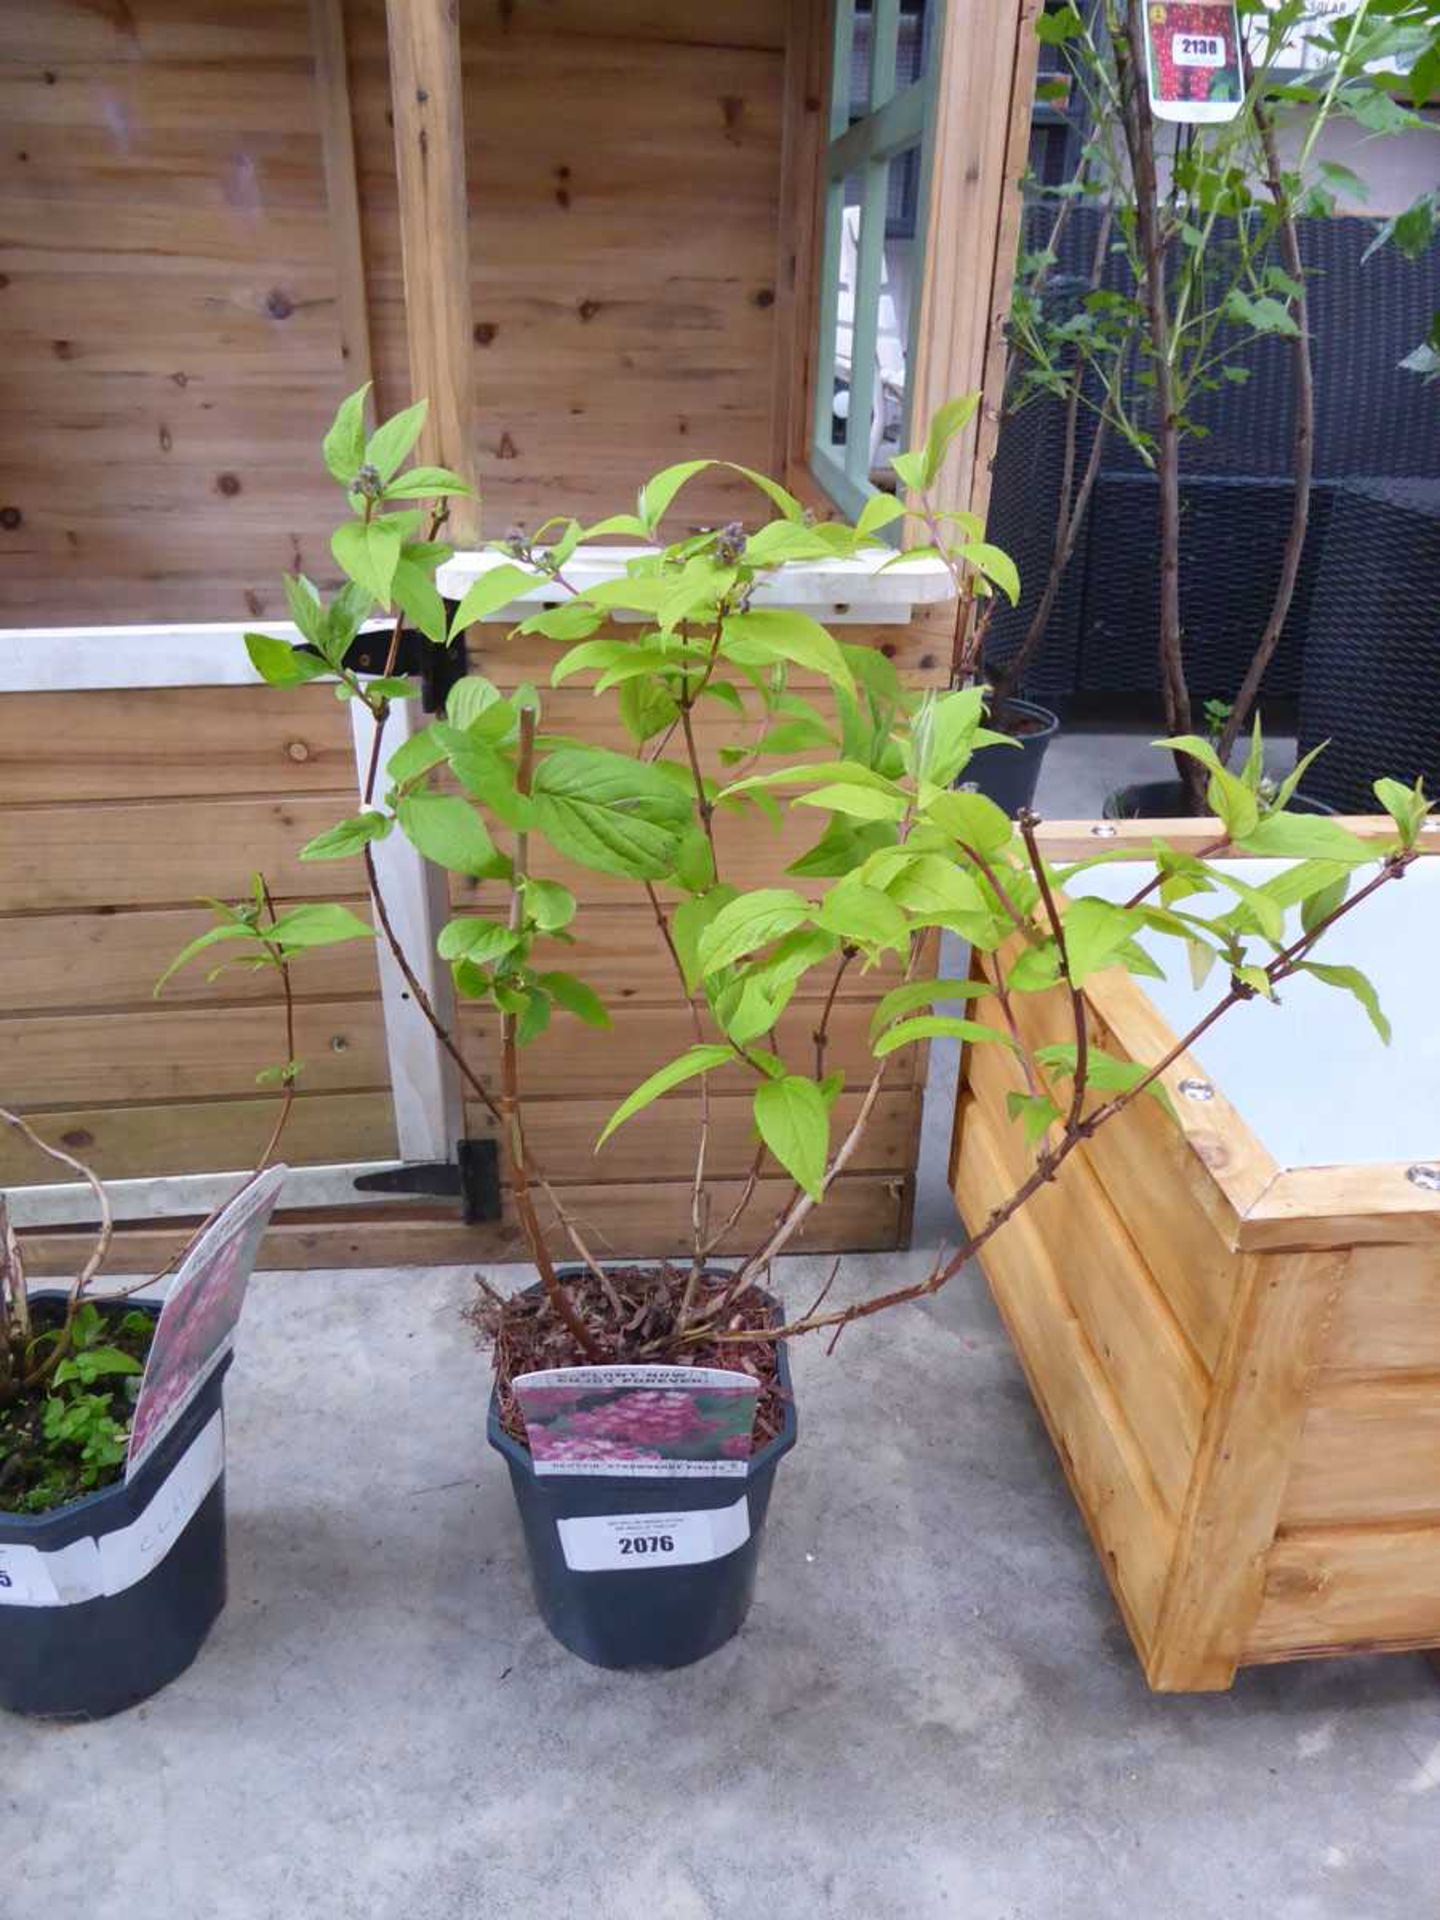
point(170, 283)
point(182, 305)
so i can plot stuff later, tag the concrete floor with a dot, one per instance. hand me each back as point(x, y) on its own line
point(933, 1711)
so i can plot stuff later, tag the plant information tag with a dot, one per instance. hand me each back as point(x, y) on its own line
point(96, 1567)
point(625, 1542)
point(1192, 60)
point(640, 1423)
point(196, 1328)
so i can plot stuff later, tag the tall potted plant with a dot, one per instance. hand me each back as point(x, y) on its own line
point(1196, 258)
point(901, 853)
point(112, 1450)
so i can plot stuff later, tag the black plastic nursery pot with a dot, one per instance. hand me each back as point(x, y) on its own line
point(1010, 775)
point(1165, 800)
point(648, 1615)
point(106, 1600)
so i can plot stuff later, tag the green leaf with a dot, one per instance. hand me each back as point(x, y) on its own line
point(1305, 836)
point(306, 609)
point(1104, 1071)
point(769, 634)
point(446, 829)
point(549, 905)
point(427, 483)
point(1054, 29)
point(750, 922)
point(942, 734)
point(534, 1017)
point(575, 997)
point(789, 507)
point(694, 862)
point(415, 756)
point(970, 819)
point(281, 665)
point(995, 565)
point(934, 1026)
point(697, 1060)
point(924, 993)
point(1351, 980)
point(1035, 1112)
point(323, 924)
point(946, 423)
point(840, 849)
point(343, 448)
point(369, 554)
point(688, 922)
point(419, 599)
point(933, 888)
point(880, 510)
point(792, 1117)
point(1095, 931)
point(658, 492)
point(794, 955)
point(861, 914)
point(610, 813)
point(484, 597)
point(1317, 907)
point(858, 803)
point(1406, 806)
point(390, 444)
point(212, 936)
point(1262, 314)
point(588, 655)
point(348, 836)
point(472, 937)
point(818, 772)
point(471, 699)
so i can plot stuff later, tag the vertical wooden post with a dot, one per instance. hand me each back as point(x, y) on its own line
point(796, 274)
point(425, 95)
point(985, 89)
point(337, 138)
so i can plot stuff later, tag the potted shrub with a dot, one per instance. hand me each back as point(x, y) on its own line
point(1196, 261)
point(112, 1450)
point(901, 853)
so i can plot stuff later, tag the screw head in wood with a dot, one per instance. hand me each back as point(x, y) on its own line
point(1427, 1177)
point(1102, 830)
point(1197, 1089)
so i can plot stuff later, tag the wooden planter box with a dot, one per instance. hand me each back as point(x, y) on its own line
point(1232, 1325)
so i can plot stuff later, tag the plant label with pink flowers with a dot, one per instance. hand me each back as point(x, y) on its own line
point(640, 1423)
point(196, 1328)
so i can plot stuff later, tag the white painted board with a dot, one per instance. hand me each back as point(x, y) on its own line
point(1310, 1075)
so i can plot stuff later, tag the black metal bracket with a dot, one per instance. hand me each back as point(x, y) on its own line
point(472, 1177)
point(417, 657)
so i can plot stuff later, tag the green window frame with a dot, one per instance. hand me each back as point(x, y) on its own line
point(895, 119)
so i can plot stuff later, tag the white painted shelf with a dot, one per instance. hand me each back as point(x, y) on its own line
point(863, 591)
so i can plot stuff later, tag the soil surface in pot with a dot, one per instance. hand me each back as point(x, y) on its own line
point(632, 1317)
point(1017, 722)
point(66, 1436)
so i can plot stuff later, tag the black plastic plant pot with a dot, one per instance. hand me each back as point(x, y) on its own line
point(106, 1600)
point(1165, 800)
point(647, 1616)
point(1010, 775)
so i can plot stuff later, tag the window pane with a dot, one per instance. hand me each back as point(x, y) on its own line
point(912, 49)
point(872, 316)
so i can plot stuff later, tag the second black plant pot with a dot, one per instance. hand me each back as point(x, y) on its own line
point(1010, 775)
point(1165, 800)
point(651, 1613)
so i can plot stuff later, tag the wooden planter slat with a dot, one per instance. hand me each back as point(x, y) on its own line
point(1239, 1362)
